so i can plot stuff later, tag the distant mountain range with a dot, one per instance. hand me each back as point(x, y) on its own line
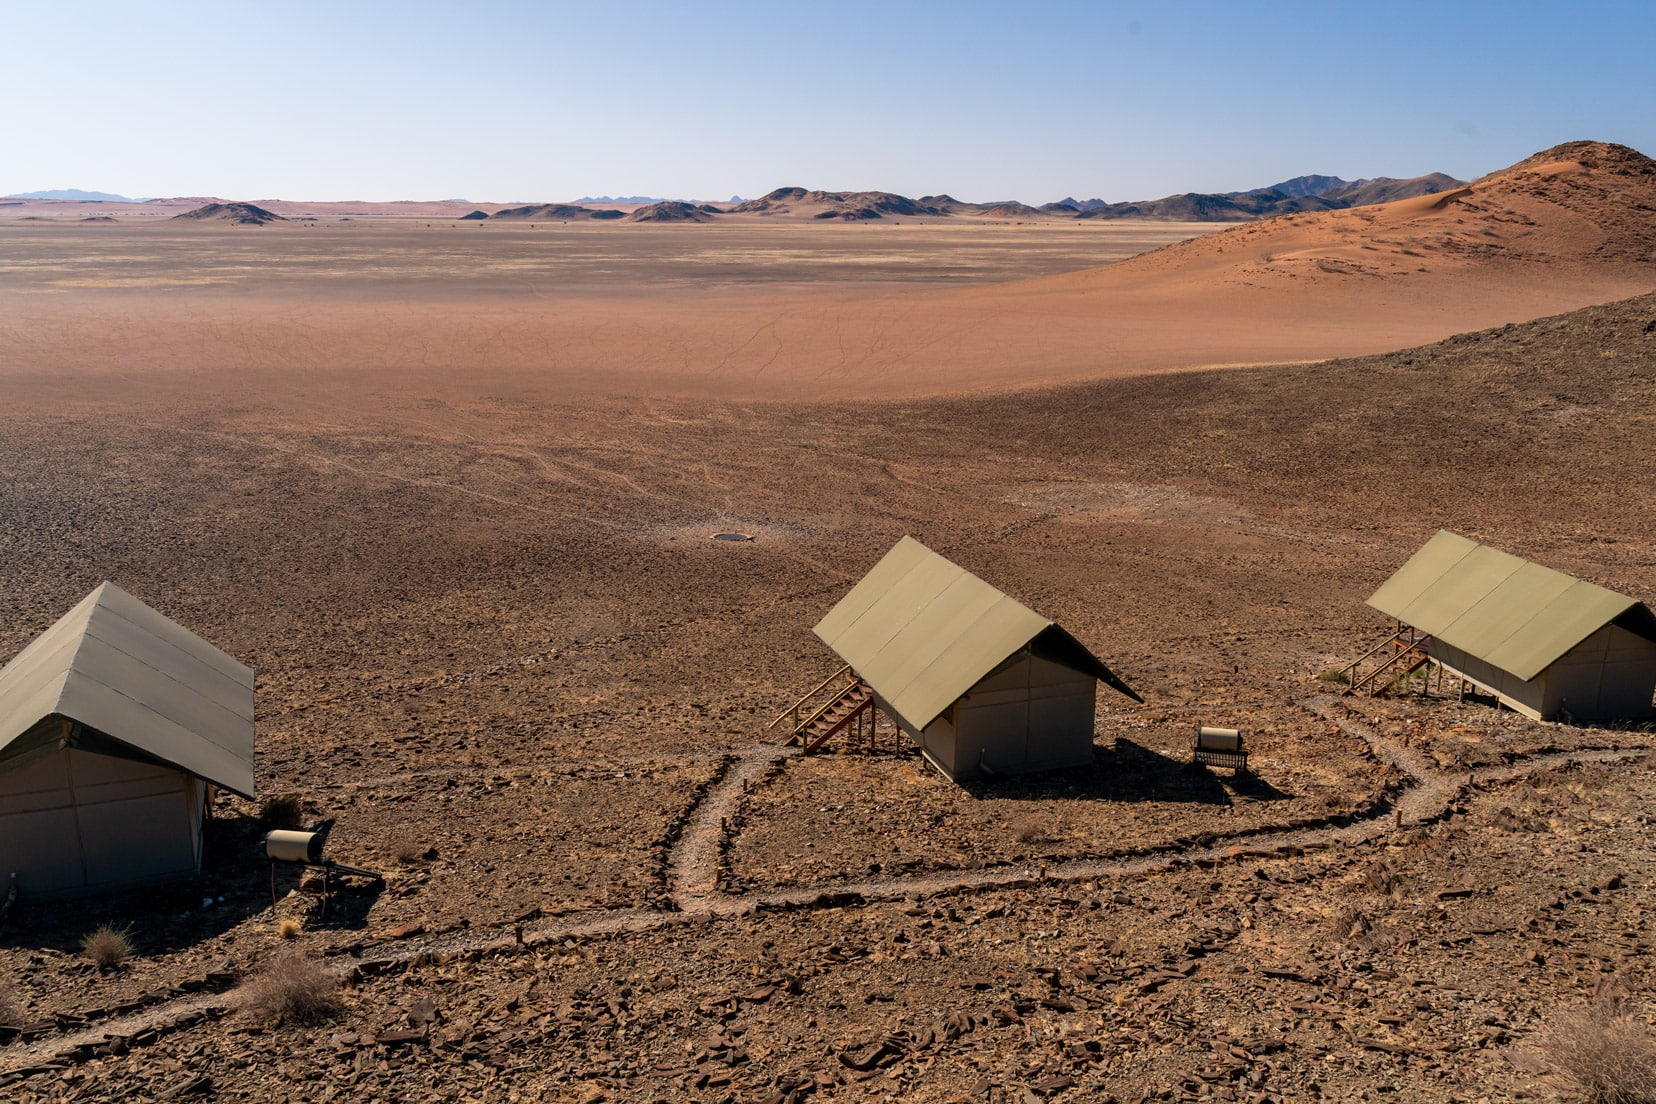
point(1302, 193)
point(75, 194)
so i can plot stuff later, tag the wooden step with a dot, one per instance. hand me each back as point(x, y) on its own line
point(827, 731)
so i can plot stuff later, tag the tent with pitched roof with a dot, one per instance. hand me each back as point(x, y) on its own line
point(113, 723)
point(982, 683)
point(1543, 642)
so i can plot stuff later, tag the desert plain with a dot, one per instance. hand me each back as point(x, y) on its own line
point(450, 489)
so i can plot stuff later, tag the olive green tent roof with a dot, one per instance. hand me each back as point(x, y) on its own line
point(922, 631)
point(1519, 616)
point(115, 677)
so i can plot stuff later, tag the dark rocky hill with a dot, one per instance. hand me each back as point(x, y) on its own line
point(1303, 193)
point(671, 210)
point(238, 214)
point(553, 212)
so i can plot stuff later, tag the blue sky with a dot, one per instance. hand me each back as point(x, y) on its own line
point(498, 100)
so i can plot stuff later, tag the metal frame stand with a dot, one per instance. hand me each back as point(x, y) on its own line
point(327, 867)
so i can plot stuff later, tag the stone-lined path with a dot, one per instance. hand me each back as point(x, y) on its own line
point(695, 859)
point(693, 865)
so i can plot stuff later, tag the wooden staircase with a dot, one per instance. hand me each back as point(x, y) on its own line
point(1389, 663)
point(841, 700)
point(849, 705)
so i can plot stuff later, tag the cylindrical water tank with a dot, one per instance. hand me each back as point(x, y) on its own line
point(285, 846)
point(1219, 739)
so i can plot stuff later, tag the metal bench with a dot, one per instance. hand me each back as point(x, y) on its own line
point(1219, 747)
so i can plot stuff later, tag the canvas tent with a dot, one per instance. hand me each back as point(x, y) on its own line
point(113, 723)
point(1543, 642)
point(980, 682)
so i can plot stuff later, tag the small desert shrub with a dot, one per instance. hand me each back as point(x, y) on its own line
point(1603, 1051)
point(291, 989)
point(289, 927)
point(1335, 675)
point(404, 849)
point(1406, 682)
point(282, 811)
point(107, 946)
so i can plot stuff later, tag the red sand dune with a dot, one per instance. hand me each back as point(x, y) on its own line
point(1569, 227)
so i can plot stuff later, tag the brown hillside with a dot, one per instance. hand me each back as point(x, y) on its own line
point(1384, 190)
point(1609, 188)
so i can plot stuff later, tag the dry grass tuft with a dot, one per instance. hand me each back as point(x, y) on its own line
point(289, 927)
point(404, 850)
point(107, 946)
point(1030, 829)
point(11, 1009)
point(291, 989)
point(1603, 1051)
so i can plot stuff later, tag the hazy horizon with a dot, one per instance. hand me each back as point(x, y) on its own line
point(535, 102)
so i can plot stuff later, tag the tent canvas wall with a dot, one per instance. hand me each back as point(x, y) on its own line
point(1542, 642)
point(113, 723)
point(982, 683)
point(73, 820)
point(1029, 714)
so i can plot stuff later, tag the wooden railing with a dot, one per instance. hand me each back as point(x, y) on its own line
point(1408, 644)
point(793, 710)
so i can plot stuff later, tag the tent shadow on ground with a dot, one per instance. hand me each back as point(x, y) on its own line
point(349, 900)
point(233, 885)
point(1129, 772)
point(233, 888)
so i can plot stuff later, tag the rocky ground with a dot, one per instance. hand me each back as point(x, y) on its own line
point(495, 642)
